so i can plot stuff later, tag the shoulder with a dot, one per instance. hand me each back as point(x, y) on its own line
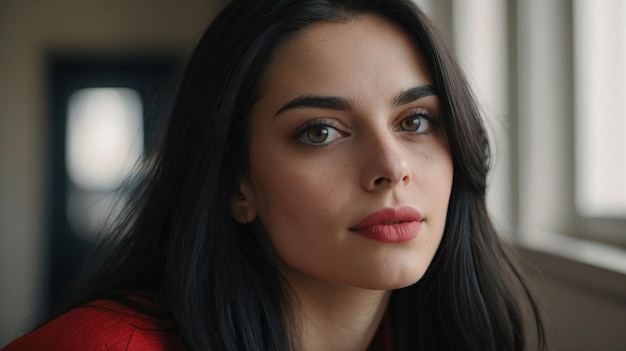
point(99, 326)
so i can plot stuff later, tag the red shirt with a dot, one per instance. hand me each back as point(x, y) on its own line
point(101, 325)
point(105, 325)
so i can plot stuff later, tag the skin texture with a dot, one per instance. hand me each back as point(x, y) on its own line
point(309, 183)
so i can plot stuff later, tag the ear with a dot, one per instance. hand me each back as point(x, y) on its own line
point(242, 203)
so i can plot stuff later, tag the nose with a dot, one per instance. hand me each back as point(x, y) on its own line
point(386, 163)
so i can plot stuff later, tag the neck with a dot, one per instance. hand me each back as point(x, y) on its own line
point(336, 317)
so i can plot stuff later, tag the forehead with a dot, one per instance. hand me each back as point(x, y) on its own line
point(363, 58)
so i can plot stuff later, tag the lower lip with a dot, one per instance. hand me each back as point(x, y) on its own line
point(390, 233)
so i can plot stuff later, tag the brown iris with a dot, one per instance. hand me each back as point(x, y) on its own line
point(410, 124)
point(317, 134)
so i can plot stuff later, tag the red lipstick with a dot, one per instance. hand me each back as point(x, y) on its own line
point(390, 225)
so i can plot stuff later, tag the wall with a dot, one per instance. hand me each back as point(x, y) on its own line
point(584, 306)
point(30, 30)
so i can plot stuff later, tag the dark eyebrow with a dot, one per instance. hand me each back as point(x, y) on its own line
point(413, 94)
point(316, 101)
point(341, 104)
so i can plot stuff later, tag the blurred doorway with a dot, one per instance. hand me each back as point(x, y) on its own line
point(104, 114)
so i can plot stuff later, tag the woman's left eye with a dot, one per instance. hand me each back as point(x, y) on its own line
point(418, 123)
point(318, 133)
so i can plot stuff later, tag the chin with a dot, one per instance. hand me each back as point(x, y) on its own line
point(390, 281)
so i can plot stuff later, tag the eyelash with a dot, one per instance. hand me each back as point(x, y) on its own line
point(427, 115)
point(299, 133)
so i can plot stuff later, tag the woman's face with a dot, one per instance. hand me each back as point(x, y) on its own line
point(350, 172)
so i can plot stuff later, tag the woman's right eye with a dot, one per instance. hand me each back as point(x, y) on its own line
point(319, 134)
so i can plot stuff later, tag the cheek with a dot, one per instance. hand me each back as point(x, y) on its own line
point(433, 173)
point(442, 186)
point(301, 203)
point(440, 180)
point(434, 184)
point(291, 205)
point(290, 192)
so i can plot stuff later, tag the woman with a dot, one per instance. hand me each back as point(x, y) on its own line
point(320, 186)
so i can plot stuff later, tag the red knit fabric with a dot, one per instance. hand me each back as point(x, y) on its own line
point(99, 326)
point(105, 325)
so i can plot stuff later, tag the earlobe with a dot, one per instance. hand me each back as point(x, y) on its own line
point(241, 204)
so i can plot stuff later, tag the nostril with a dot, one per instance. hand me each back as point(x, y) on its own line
point(379, 180)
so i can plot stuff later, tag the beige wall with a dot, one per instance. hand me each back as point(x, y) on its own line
point(584, 306)
point(28, 31)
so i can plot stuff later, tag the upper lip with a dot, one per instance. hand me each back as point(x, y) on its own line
point(389, 216)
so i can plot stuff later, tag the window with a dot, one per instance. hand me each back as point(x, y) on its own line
point(600, 71)
point(551, 153)
point(480, 40)
point(103, 144)
point(104, 113)
point(550, 78)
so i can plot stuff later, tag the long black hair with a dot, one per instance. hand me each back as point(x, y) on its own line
point(179, 244)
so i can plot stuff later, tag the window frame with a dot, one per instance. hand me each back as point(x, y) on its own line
point(541, 177)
